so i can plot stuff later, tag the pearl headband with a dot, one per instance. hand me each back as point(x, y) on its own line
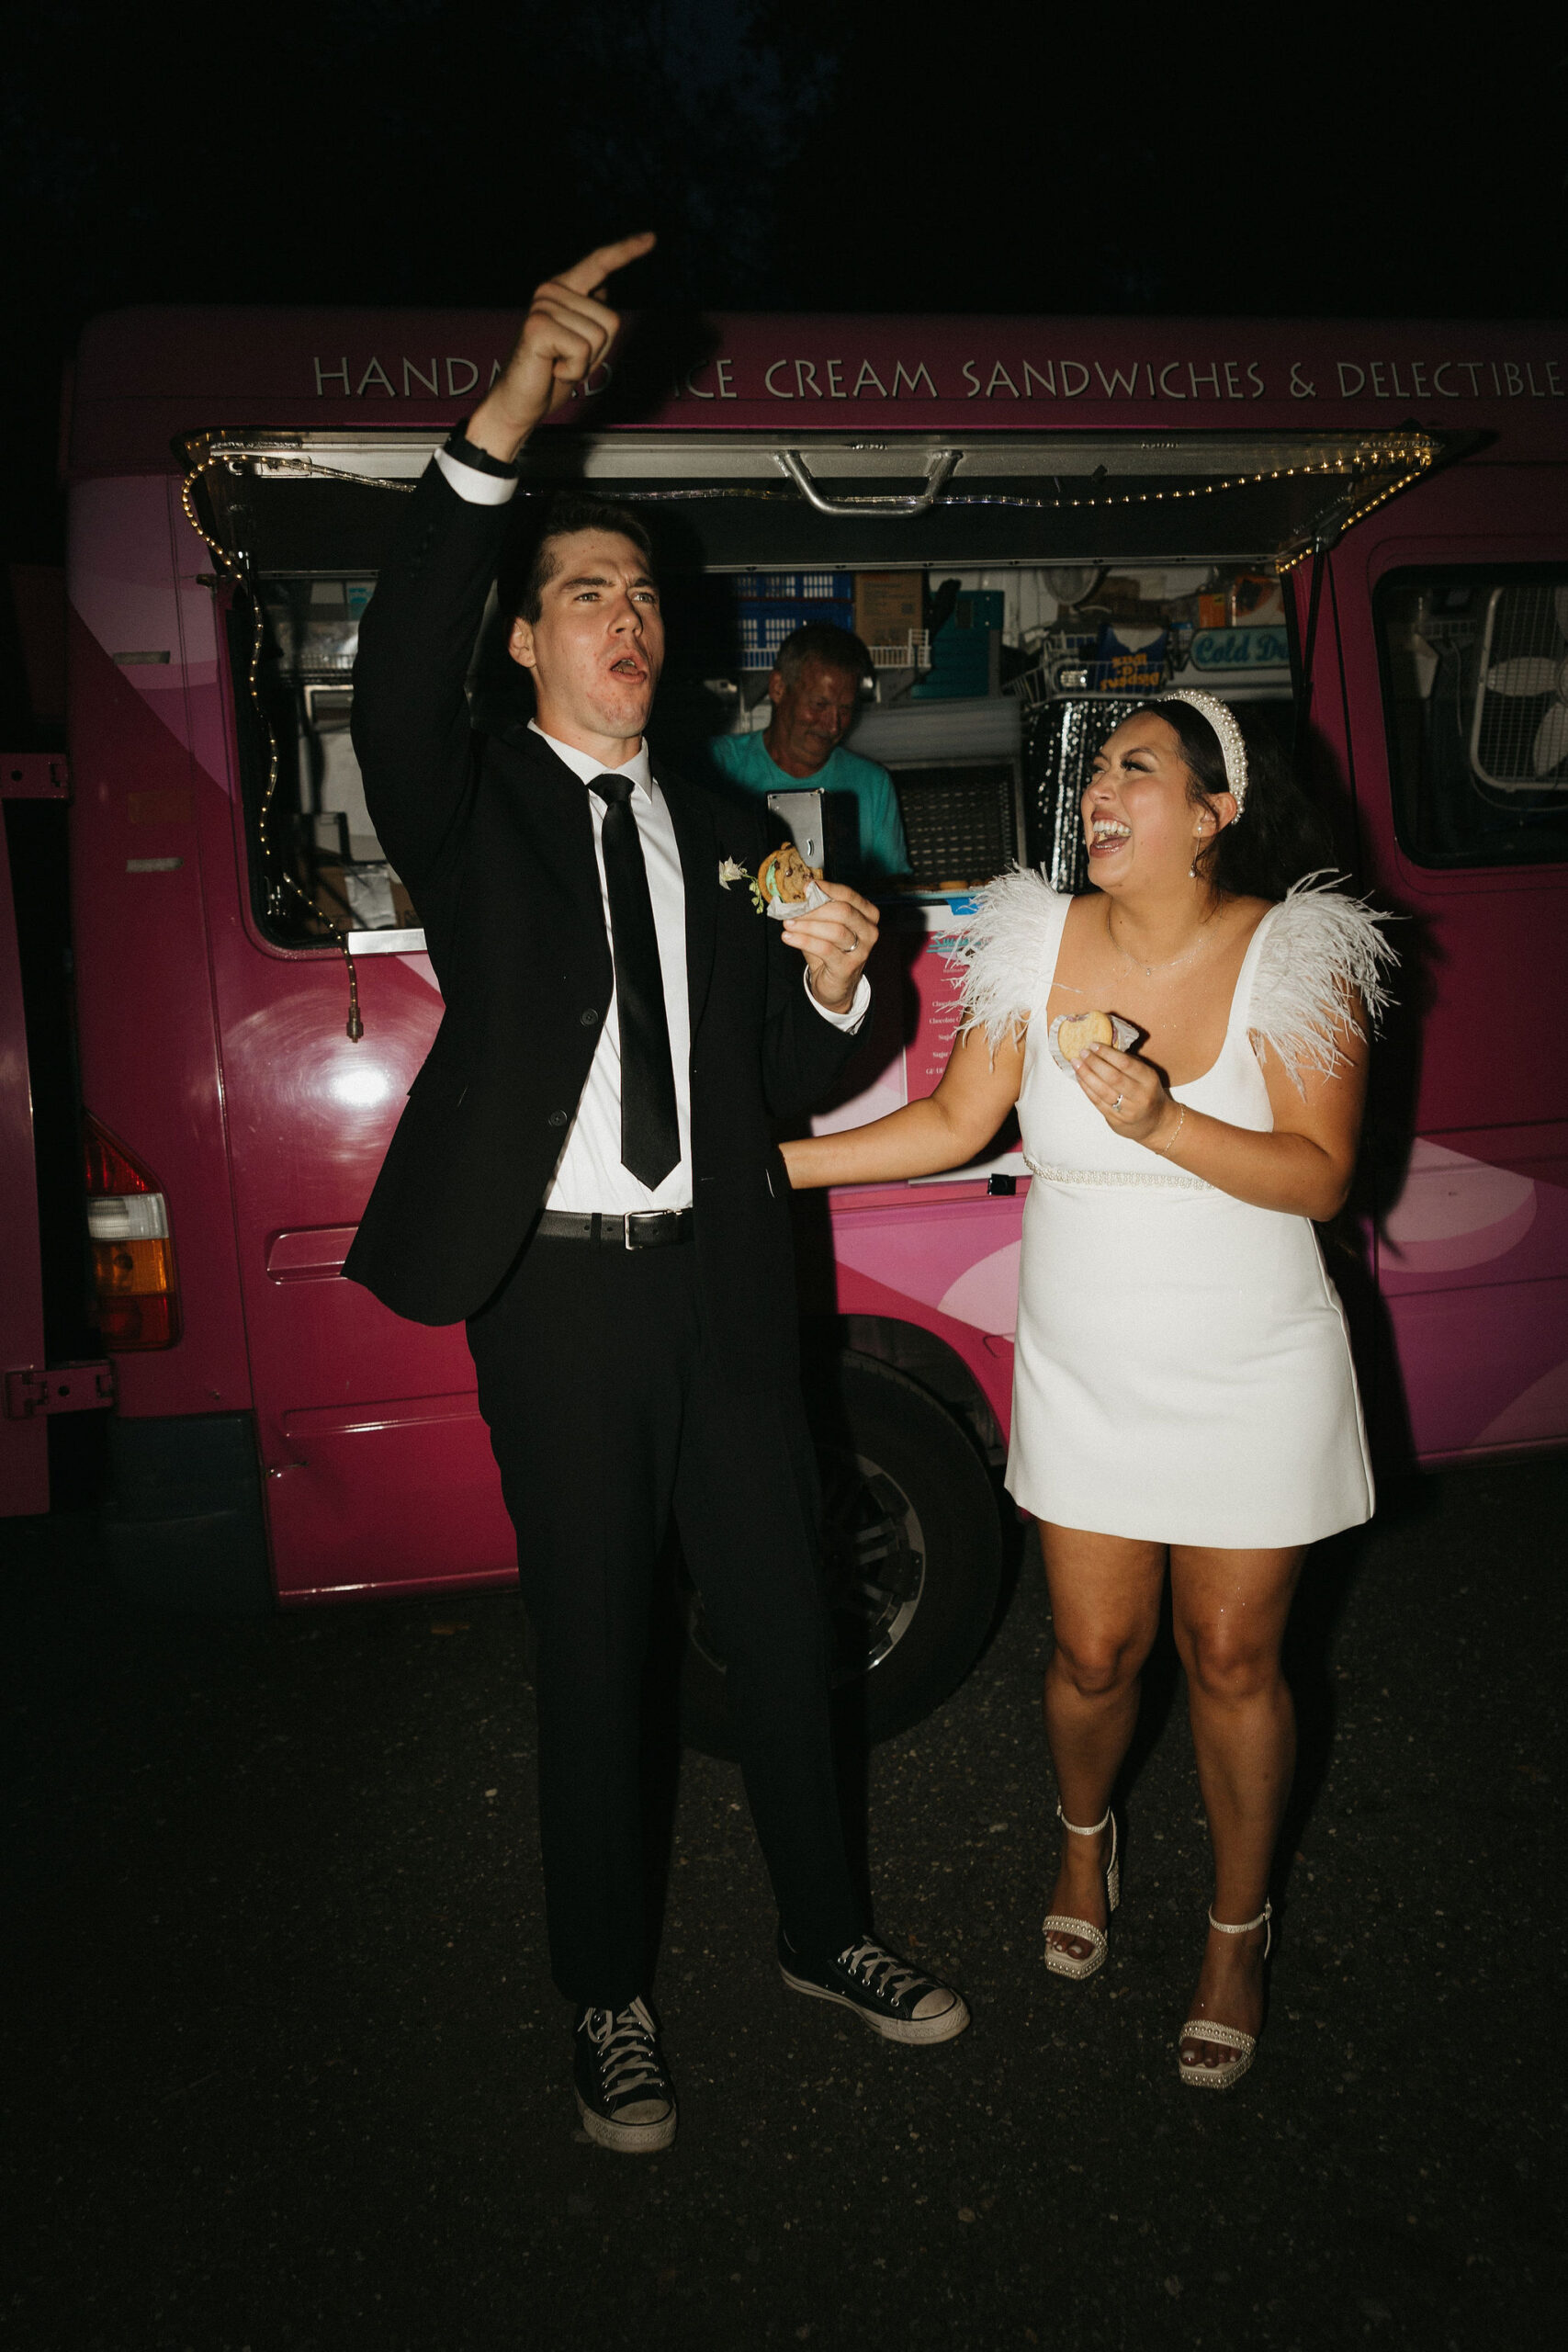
point(1222, 718)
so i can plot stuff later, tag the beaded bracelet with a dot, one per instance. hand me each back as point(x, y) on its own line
point(1165, 1150)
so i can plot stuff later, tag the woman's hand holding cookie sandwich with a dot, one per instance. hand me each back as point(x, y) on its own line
point(835, 940)
point(1129, 1093)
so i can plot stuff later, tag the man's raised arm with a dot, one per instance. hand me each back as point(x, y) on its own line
point(569, 329)
point(410, 720)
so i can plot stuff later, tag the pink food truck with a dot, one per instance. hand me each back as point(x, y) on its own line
point(1360, 529)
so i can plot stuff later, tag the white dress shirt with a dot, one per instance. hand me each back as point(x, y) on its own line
point(588, 1175)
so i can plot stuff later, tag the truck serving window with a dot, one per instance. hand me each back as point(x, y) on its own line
point(1475, 694)
point(335, 873)
point(1015, 594)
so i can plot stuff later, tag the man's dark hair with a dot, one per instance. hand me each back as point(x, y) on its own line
point(838, 649)
point(523, 592)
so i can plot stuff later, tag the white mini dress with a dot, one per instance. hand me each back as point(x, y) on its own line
point(1183, 1369)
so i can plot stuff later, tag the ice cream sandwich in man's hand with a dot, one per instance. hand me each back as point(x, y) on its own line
point(787, 885)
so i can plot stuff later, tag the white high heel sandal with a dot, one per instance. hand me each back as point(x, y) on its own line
point(1061, 1964)
point(1227, 2037)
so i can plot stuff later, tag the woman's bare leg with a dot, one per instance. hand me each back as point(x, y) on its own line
point(1105, 1594)
point(1230, 1610)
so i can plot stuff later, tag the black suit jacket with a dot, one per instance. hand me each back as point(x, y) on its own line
point(494, 838)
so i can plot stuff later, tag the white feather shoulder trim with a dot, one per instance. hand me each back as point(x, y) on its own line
point(1322, 948)
point(1002, 952)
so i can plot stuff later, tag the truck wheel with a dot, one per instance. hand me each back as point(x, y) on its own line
point(912, 1554)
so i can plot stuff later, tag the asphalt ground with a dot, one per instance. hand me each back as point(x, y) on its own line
point(286, 2069)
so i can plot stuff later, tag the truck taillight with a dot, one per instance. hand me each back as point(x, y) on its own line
point(137, 1303)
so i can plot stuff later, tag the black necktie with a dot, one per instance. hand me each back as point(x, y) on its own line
point(650, 1136)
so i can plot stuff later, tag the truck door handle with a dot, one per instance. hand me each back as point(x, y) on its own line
point(939, 471)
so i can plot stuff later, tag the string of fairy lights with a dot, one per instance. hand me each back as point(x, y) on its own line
point(279, 882)
point(1414, 455)
point(1288, 562)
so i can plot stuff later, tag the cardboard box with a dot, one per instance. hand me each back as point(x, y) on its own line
point(888, 605)
point(330, 896)
point(1120, 593)
point(363, 896)
point(1256, 601)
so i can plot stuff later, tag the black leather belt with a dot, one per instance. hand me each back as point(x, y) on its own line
point(639, 1229)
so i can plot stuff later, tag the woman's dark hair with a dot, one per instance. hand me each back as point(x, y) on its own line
point(1280, 837)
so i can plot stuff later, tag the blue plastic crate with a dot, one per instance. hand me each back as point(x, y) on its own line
point(764, 626)
point(795, 587)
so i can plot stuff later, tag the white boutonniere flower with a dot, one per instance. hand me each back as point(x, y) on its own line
point(728, 871)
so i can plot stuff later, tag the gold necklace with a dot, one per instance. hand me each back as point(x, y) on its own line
point(1148, 970)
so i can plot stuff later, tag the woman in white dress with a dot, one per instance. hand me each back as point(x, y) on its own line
point(1183, 1389)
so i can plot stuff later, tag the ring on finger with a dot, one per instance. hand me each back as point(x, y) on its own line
point(1117, 1104)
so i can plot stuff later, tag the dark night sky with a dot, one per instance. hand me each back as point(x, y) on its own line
point(824, 154)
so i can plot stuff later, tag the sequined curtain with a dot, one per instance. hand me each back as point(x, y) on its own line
point(1060, 740)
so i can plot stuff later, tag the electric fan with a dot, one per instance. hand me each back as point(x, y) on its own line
point(1518, 734)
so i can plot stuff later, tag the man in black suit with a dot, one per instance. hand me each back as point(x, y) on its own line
point(584, 1173)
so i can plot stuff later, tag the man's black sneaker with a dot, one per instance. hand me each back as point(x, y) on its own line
point(895, 1999)
point(624, 2094)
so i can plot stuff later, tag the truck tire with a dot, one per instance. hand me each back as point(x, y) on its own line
point(912, 1557)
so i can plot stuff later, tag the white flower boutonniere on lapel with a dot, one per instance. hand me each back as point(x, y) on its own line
point(728, 871)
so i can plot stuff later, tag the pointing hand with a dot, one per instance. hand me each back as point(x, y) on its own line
point(569, 329)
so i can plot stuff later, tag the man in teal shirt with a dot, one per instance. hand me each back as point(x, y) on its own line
point(815, 683)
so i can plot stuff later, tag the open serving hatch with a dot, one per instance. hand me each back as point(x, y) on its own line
point(823, 499)
point(300, 522)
